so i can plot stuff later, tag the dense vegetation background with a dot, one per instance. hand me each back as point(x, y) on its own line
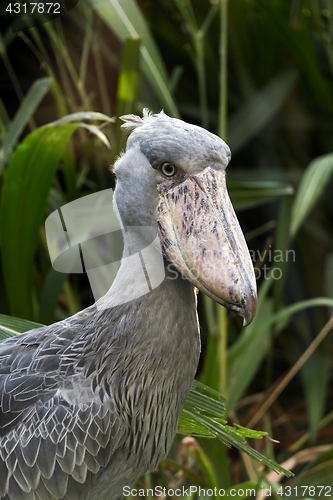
point(258, 73)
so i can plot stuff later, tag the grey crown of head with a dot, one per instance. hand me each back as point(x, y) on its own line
point(164, 139)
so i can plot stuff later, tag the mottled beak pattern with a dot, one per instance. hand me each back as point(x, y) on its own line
point(201, 236)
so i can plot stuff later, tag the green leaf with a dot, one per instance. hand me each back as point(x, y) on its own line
point(126, 21)
point(329, 275)
point(129, 77)
point(259, 110)
point(30, 103)
point(245, 195)
point(53, 284)
point(97, 132)
point(81, 115)
point(316, 373)
point(11, 326)
point(245, 432)
point(128, 83)
point(26, 188)
point(76, 119)
point(24, 198)
point(246, 354)
point(282, 245)
point(312, 185)
point(188, 427)
point(286, 313)
point(207, 401)
point(210, 370)
point(232, 438)
point(202, 415)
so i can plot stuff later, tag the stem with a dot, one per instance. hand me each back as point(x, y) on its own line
point(58, 39)
point(222, 348)
point(282, 244)
point(148, 484)
point(197, 35)
point(200, 64)
point(10, 71)
point(223, 69)
point(209, 18)
point(222, 313)
point(86, 47)
point(14, 79)
point(39, 51)
point(72, 301)
point(4, 118)
point(102, 81)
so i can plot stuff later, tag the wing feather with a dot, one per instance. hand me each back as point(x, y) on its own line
point(91, 462)
point(21, 480)
point(42, 493)
point(16, 493)
point(57, 483)
point(30, 450)
point(67, 462)
point(75, 491)
point(46, 457)
point(31, 474)
point(58, 428)
point(4, 478)
point(80, 473)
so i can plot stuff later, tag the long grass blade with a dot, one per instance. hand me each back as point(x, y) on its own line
point(81, 115)
point(310, 189)
point(126, 20)
point(246, 354)
point(259, 110)
point(11, 326)
point(24, 197)
point(249, 194)
point(235, 439)
point(315, 374)
point(128, 83)
point(30, 103)
point(53, 284)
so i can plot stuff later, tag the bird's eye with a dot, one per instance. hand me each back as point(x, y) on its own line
point(168, 169)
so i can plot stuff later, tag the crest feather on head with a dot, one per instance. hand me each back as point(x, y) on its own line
point(134, 121)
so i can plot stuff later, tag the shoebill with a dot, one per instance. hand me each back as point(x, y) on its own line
point(91, 403)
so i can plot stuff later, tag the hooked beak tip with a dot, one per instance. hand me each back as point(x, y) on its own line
point(249, 307)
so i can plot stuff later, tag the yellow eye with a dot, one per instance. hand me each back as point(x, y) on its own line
point(168, 169)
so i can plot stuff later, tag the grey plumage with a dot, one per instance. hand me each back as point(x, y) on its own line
point(92, 402)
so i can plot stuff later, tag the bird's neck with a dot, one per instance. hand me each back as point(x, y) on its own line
point(161, 328)
point(142, 268)
point(148, 279)
point(151, 305)
point(158, 301)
